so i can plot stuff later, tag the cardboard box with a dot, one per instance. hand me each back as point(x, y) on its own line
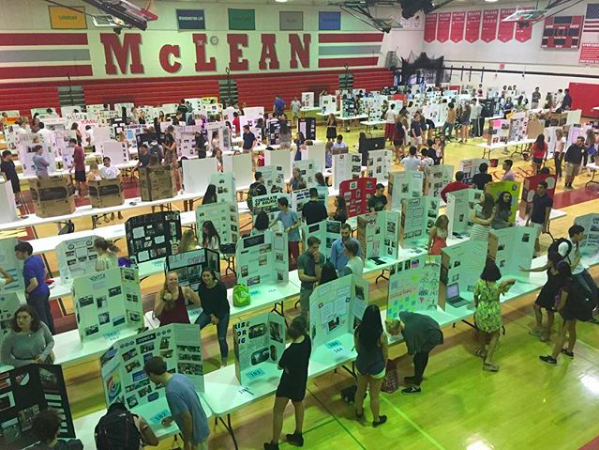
point(53, 196)
point(106, 193)
point(157, 182)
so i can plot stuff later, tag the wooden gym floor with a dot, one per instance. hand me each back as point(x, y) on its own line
point(526, 405)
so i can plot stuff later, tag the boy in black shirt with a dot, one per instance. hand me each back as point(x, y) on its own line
point(378, 201)
point(314, 211)
point(575, 155)
point(482, 178)
point(7, 167)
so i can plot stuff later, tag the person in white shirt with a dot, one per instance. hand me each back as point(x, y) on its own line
point(571, 253)
point(390, 117)
point(339, 146)
point(559, 98)
point(477, 121)
point(296, 106)
point(46, 134)
point(109, 172)
point(412, 162)
point(355, 265)
point(425, 161)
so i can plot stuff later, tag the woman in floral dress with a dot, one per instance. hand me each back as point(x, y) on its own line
point(488, 312)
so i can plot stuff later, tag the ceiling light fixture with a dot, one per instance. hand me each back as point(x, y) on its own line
point(281, 1)
point(491, 1)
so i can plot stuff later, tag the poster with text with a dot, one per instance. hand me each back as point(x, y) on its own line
point(327, 232)
point(356, 193)
point(190, 265)
point(76, 257)
point(590, 242)
point(263, 259)
point(512, 248)
point(224, 217)
point(460, 208)
point(153, 236)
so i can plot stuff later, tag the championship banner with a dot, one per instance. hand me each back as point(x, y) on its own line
point(443, 27)
point(523, 31)
point(489, 29)
point(430, 27)
point(473, 26)
point(506, 29)
point(458, 20)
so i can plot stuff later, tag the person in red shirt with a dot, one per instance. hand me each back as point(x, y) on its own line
point(79, 160)
point(539, 152)
point(236, 123)
point(456, 185)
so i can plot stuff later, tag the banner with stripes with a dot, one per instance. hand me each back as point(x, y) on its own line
point(351, 49)
point(44, 55)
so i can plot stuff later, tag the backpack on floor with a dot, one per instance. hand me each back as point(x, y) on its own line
point(116, 430)
point(391, 380)
point(553, 254)
point(349, 394)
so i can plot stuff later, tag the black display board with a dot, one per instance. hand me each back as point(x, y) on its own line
point(153, 236)
point(26, 391)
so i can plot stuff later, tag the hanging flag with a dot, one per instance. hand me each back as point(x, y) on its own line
point(591, 19)
point(353, 49)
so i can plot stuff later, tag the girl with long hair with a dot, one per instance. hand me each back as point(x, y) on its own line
point(437, 239)
point(209, 195)
point(169, 306)
point(539, 152)
point(340, 214)
point(108, 254)
point(482, 217)
point(210, 237)
point(372, 348)
point(503, 211)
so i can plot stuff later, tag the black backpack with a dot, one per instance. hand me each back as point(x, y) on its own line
point(553, 254)
point(116, 430)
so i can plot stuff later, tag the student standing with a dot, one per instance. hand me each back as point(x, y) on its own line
point(328, 273)
point(465, 122)
point(338, 256)
point(37, 291)
point(278, 107)
point(339, 146)
point(297, 181)
point(108, 255)
point(292, 387)
point(488, 312)
point(570, 307)
point(309, 267)
point(536, 98)
point(378, 202)
point(449, 122)
point(508, 175)
point(40, 164)
point(416, 131)
point(399, 138)
point(215, 309)
point(296, 107)
point(540, 212)
point(539, 152)
point(502, 214)
point(421, 334)
point(545, 300)
point(331, 128)
point(210, 237)
point(340, 214)
point(314, 210)
point(184, 403)
point(355, 265)
point(169, 306)
point(29, 340)
point(291, 223)
point(437, 239)
point(371, 345)
point(79, 161)
point(412, 162)
point(8, 169)
point(482, 217)
point(454, 186)
point(249, 140)
point(481, 179)
point(575, 155)
point(390, 118)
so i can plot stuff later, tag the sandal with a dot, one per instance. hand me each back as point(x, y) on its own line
point(490, 367)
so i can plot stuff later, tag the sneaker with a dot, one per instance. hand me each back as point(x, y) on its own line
point(412, 390)
point(271, 446)
point(568, 353)
point(382, 420)
point(548, 359)
point(296, 439)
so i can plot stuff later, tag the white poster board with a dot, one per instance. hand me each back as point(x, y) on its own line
point(226, 191)
point(273, 176)
point(307, 99)
point(346, 166)
point(10, 263)
point(259, 343)
point(404, 185)
point(418, 216)
point(512, 248)
point(8, 204)
point(336, 309)
point(263, 259)
point(241, 167)
point(436, 178)
point(76, 257)
point(379, 164)
point(26, 154)
point(118, 152)
point(107, 302)
point(315, 152)
point(122, 366)
point(460, 207)
point(327, 232)
point(590, 242)
point(269, 204)
point(470, 167)
point(462, 264)
point(197, 173)
point(281, 158)
point(307, 168)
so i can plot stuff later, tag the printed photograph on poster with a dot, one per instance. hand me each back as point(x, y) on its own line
point(153, 236)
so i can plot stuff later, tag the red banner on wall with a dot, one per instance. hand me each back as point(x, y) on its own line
point(430, 27)
point(443, 26)
point(489, 29)
point(458, 20)
point(506, 29)
point(523, 33)
point(473, 26)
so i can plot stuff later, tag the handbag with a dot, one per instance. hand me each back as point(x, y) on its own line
point(391, 380)
point(241, 295)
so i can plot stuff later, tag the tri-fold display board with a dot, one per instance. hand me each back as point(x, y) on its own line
point(77, 257)
point(405, 185)
point(414, 285)
point(268, 203)
point(263, 259)
point(226, 190)
point(460, 207)
point(379, 164)
point(418, 216)
point(10, 263)
point(153, 236)
point(273, 176)
point(24, 393)
point(300, 197)
point(378, 234)
point(327, 231)
point(336, 308)
point(107, 303)
point(307, 126)
point(122, 366)
point(197, 174)
point(529, 188)
point(190, 265)
point(259, 343)
point(346, 166)
point(356, 193)
point(436, 178)
point(471, 167)
point(512, 248)
point(224, 217)
point(307, 170)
